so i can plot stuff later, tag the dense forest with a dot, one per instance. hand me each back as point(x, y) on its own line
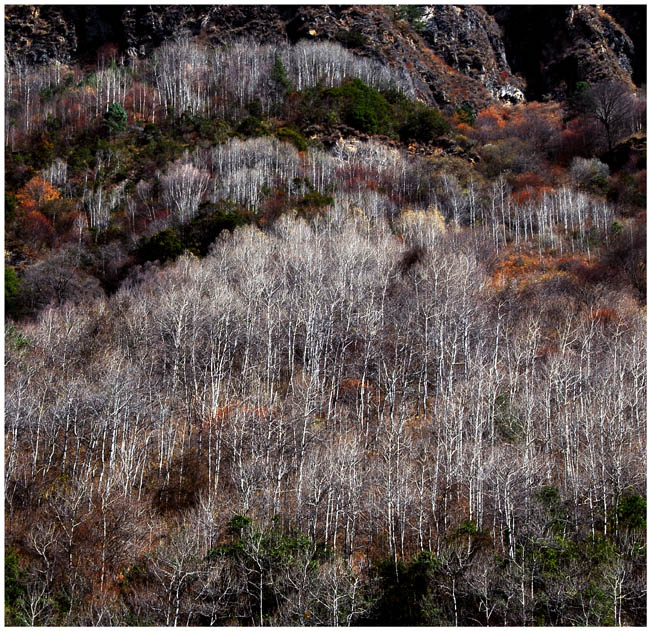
point(287, 345)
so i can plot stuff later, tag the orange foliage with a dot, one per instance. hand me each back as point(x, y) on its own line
point(537, 123)
point(528, 186)
point(523, 268)
point(516, 265)
point(522, 196)
point(36, 193)
point(492, 118)
point(463, 128)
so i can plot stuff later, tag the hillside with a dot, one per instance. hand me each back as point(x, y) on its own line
point(325, 315)
point(455, 54)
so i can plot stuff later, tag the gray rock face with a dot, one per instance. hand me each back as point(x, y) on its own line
point(462, 54)
point(469, 40)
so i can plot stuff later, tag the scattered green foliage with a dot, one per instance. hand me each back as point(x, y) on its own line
point(251, 127)
point(199, 234)
point(423, 123)
point(351, 38)
point(10, 206)
point(314, 199)
point(163, 246)
point(577, 99)
point(465, 114)
point(12, 289)
point(196, 236)
point(631, 512)
point(361, 106)
point(115, 119)
point(295, 137)
point(15, 587)
point(506, 419)
point(413, 14)
point(280, 77)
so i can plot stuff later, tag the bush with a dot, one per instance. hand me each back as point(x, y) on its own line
point(351, 39)
point(631, 512)
point(293, 136)
point(14, 586)
point(509, 154)
point(279, 75)
point(362, 107)
point(115, 119)
point(591, 174)
point(252, 126)
point(163, 246)
point(423, 123)
point(465, 114)
point(408, 595)
point(413, 14)
point(211, 220)
point(12, 289)
point(10, 206)
point(314, 199)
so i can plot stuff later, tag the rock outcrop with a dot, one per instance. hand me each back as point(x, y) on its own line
point(554, 47)
point(469, 40)
point(455, 54)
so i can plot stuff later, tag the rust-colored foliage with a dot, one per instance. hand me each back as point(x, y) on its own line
point(528, 187)
point(605, 316)
point(462, 128)
point(38, 229)
point(517, 266)
point(35, 194)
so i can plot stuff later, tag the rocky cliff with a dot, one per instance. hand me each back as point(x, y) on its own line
point(456, 54)
point(554, 47)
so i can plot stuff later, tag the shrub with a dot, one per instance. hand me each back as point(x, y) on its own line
point(509, 154)
point(293, 136)
point(409, 592)
point(631, 512)
point(254, 108)
point(115, 119)
point(413, 14)
point(10, 206)
point(362, 107)
point(252, 126)
point(465, 114)
point(351, 39)
point(582, 169)
point(14, 586)
point(314, 199)
point(163, 246)
point(211, 220)
point(423, 123)
point(279, 75)
point(12, 289)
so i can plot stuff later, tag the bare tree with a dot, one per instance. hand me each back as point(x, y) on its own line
point(611, 105)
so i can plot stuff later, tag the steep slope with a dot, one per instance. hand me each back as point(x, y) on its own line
point(469, 40)
point(553, 47)
point(632, 18)
point(457, 57)
point(456, 54)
